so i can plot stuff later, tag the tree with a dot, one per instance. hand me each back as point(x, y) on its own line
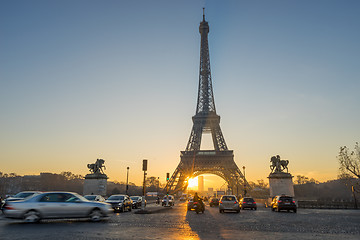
point(349, 161)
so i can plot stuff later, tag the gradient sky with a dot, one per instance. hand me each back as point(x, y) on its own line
point(81, 80)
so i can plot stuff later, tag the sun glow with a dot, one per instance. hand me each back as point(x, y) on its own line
point(193, 182)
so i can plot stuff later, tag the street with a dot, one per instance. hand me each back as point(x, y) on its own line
point(178, 223)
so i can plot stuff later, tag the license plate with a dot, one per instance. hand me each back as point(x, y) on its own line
point(287, 203)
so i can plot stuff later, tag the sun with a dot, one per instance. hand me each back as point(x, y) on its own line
point(193, 182)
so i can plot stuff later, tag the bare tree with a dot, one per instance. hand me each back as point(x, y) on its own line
point(349, 161)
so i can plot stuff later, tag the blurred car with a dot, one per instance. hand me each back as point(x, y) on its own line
point(247, 202)
point(182, 198)
point(120, 202)
point(96, 198)
point(136, 201)
point(229, 203)
point(214, 202)
point(171, 200)
point(190, 204)
point(283, 203)
point(56, 205)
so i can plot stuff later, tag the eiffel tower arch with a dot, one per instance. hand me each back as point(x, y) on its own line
point(194, 161)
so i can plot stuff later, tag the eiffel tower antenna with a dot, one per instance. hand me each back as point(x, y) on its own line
point(195, 161)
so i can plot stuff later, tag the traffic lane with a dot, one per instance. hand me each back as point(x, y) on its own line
point(164, 225)
point(265, 224)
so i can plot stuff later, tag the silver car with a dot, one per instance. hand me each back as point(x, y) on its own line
point(229, 203)
point(56, 205)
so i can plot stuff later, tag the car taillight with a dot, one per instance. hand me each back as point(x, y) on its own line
point(244, 202)
point(279, 201)
point(235, 202)
point(220, 202)
point(9, 207)
point(254, 202)
point(293, 201)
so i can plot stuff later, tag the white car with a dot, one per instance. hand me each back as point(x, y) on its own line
point(52, 205)
point(96, 198)
point(169, 198)
point(229, 203)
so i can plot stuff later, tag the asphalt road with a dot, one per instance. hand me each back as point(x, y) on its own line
point(178, 223)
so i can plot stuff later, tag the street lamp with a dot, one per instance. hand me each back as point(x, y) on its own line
point(127, 180)
point(244, 181)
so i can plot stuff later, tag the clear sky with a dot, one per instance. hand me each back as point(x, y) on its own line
point(81, 80)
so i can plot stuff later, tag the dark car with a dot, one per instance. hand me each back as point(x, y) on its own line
point(283, 203)
point(190, 204)
point(248, 202)
point(120, 202)
point(214, 202)
point(136, 201)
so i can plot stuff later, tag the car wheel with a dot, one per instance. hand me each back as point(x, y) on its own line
point(273, 209)
point(242, 208)
point(255, 209)
point(32, 216)
point(278, 209)
point(122, 209)
point(221, 211)
point(294, 210)
point(95, 215)
point(238, 211)
point(130, 209)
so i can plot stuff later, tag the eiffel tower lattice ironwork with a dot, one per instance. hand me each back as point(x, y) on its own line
point(195, 162)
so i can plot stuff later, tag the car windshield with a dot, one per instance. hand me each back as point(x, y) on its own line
point(228, 198)
point(135, 198)
point(23, 195)
point(116, 198)
point(90, 197)
point(248, 200)
point(286, 199)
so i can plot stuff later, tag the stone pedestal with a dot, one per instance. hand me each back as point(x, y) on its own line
point(281, 184)
point(95, 184)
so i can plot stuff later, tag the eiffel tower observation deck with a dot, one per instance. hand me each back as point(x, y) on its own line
point(194, 161)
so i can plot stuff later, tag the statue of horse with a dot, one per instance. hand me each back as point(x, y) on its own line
point(96, 167)
point(278, 165)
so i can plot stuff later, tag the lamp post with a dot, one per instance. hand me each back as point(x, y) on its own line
point(127, 180)
point(244, 181)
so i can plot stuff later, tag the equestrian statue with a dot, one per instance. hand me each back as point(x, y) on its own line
point(97, 167)
point(278, 165)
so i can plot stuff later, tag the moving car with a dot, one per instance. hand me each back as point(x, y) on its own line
point(56, 205)
point(214, 202)
point(190, 204)
point(120, 202)
point(96, 198)
point(283, 203)
point(229, 203)
point(247, 202)
point(136, 201)
point(171, 200)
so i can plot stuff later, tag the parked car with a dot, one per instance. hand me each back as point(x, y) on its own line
point(136, 201)
point(214, 202)
point(96, 198)
point(229, 203)
point(247, 202)
point(120, 202)
point(56, 205)
point(283, 203)
point(171, 200)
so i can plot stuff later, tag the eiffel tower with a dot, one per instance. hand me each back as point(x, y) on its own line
point(195, 162)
